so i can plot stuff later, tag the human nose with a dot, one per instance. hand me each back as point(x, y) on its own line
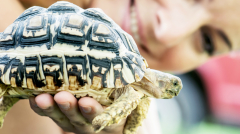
point(176, 24)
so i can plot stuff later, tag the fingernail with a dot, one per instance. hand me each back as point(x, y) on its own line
point(47, 109)
point(50, 108)
point(86, 109)
point(64, 106)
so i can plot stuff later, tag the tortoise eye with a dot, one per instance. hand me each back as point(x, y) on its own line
point(175, 83)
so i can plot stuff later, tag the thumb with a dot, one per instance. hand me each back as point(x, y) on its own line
point(90, 108)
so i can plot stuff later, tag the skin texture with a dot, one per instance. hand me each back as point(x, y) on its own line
point(70, 118)
point(171, 32)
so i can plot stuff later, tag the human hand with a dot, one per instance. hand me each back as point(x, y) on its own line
point(72, 115)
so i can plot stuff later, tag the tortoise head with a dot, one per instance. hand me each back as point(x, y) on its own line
point(162, 85)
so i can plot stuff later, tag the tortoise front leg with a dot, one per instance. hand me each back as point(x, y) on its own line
point(119, 110)
point(137, 116)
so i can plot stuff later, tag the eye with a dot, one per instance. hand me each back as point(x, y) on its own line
point(175, 83)
point(207, 41)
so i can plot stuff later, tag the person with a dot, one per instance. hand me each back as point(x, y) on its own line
point(173, 35)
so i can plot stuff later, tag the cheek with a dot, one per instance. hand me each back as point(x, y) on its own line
point(179, 59)
point(182, 59)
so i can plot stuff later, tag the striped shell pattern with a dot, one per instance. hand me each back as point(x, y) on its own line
point(65, 47)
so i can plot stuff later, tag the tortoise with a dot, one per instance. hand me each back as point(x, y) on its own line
point(84, 52)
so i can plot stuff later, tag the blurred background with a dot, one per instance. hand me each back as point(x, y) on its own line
point(209, 102)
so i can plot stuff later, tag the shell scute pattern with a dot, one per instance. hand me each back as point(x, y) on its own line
point(98, 14)
point(30, 12)
point(5, 65)
point(74, 29)
point(31, 73)
point(36, 31)
point(102, 38)
point(8, 36)
point(76, 68)
point(83, 52)
point(64, 7)
point(67, 47)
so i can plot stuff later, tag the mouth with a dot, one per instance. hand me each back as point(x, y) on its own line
point(134, 23)
point(135, 26)
point(172, 93)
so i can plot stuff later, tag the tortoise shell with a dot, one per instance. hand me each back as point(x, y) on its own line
point(65, 46)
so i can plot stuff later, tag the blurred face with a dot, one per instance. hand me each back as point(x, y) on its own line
point(178, 35)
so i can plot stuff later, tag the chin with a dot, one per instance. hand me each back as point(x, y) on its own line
point(174, 70)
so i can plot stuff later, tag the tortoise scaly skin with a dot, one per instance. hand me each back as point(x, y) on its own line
point(66, 48)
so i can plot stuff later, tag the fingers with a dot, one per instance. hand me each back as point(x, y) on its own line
point(69, 113)
point(80, 116)
point(46, 103)
point(68, 105)
point(90, 108)
point(34, 106)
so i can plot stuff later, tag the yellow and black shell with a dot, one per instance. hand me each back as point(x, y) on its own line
point(65, 46)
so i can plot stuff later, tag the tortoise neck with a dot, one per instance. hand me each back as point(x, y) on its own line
point(149, 76)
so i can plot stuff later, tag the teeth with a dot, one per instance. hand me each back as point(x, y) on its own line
point(134, 25)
